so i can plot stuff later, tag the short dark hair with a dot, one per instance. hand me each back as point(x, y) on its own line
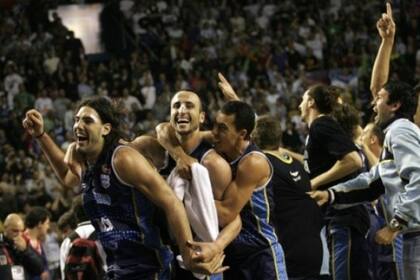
point(378, 132)
point(244, 116)
point(325, 97)
point(267, 134)
point(36, 216)
point(405, 95)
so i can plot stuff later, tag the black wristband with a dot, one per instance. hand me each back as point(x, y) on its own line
point(39, 136)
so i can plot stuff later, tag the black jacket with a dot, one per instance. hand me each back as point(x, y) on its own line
point(31, 262)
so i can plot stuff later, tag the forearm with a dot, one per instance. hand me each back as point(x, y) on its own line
point(356, 196)
point(166, 137)
point(229, 233)
point(224, 213)
point(340, 169)
point(380, 69)
point(54, 155)
point(178, 223)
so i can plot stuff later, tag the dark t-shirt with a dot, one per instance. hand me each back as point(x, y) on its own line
point(325, 145)
point(297, 218)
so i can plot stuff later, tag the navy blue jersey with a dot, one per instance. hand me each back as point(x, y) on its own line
point(257, 236)
point(124, 221)
point(198, 153)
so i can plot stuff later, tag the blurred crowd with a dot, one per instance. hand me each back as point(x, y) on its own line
point(270, 52)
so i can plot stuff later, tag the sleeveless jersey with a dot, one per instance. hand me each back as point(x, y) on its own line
point(124, 221)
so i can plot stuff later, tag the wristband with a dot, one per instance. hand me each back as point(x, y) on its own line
point(40, 135)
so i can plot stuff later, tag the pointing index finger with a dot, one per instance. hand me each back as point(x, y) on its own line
point(389, 10)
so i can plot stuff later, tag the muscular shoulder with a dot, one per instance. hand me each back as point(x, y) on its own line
point(213, 159)
point(254, 165)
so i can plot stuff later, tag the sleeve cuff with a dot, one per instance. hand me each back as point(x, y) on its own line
point(331, 197)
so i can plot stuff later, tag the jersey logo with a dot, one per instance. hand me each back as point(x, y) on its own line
point(295, 175)
point(105, 225)
point(105, 181)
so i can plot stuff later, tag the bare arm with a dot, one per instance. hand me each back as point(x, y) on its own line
point(253, 171)
point(347, 165)
point(219, 172)
point(380, 71)
point(153, 186)
point(34, 125)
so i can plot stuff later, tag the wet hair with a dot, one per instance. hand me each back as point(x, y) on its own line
point(325, 97)
point(405, 95)
point(109, 112)
point(36, 216)
point(267, 134)
point(244, 116)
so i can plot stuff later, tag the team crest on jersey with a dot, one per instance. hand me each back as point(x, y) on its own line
point(105, 181)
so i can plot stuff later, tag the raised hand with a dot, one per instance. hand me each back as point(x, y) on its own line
point(227, 90)
point(183, 166)
point(386, 24)
point(33, 123)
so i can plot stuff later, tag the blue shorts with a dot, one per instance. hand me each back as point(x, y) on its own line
point(267, 264)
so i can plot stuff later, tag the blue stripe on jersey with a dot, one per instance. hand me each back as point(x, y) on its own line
point(261, 207)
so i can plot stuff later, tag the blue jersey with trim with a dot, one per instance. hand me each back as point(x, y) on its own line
point(257, 228)
point(124, 221)
point(198, 153)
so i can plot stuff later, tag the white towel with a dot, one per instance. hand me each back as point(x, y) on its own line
point(198, 199)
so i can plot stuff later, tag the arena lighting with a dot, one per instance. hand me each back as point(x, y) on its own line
point(83, 20)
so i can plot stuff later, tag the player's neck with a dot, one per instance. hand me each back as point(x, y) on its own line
point(189, 141)
point(313, 115)
point(238, 150)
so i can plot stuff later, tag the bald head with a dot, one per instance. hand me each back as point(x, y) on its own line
point(13, 226)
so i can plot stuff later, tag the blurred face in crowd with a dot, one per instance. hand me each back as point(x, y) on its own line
point(13, 226)
point(89, 132)
point(384, 111)
point(186, 114)
point(226, 136)
point(43, 228)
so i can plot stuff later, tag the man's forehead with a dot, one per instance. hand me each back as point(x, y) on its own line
point(186, 96)
point(87, 111)
point(223, 118)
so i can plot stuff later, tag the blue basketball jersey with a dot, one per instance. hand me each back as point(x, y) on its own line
point(124, 220)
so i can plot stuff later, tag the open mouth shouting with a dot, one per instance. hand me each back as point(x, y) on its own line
point(81, 139)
